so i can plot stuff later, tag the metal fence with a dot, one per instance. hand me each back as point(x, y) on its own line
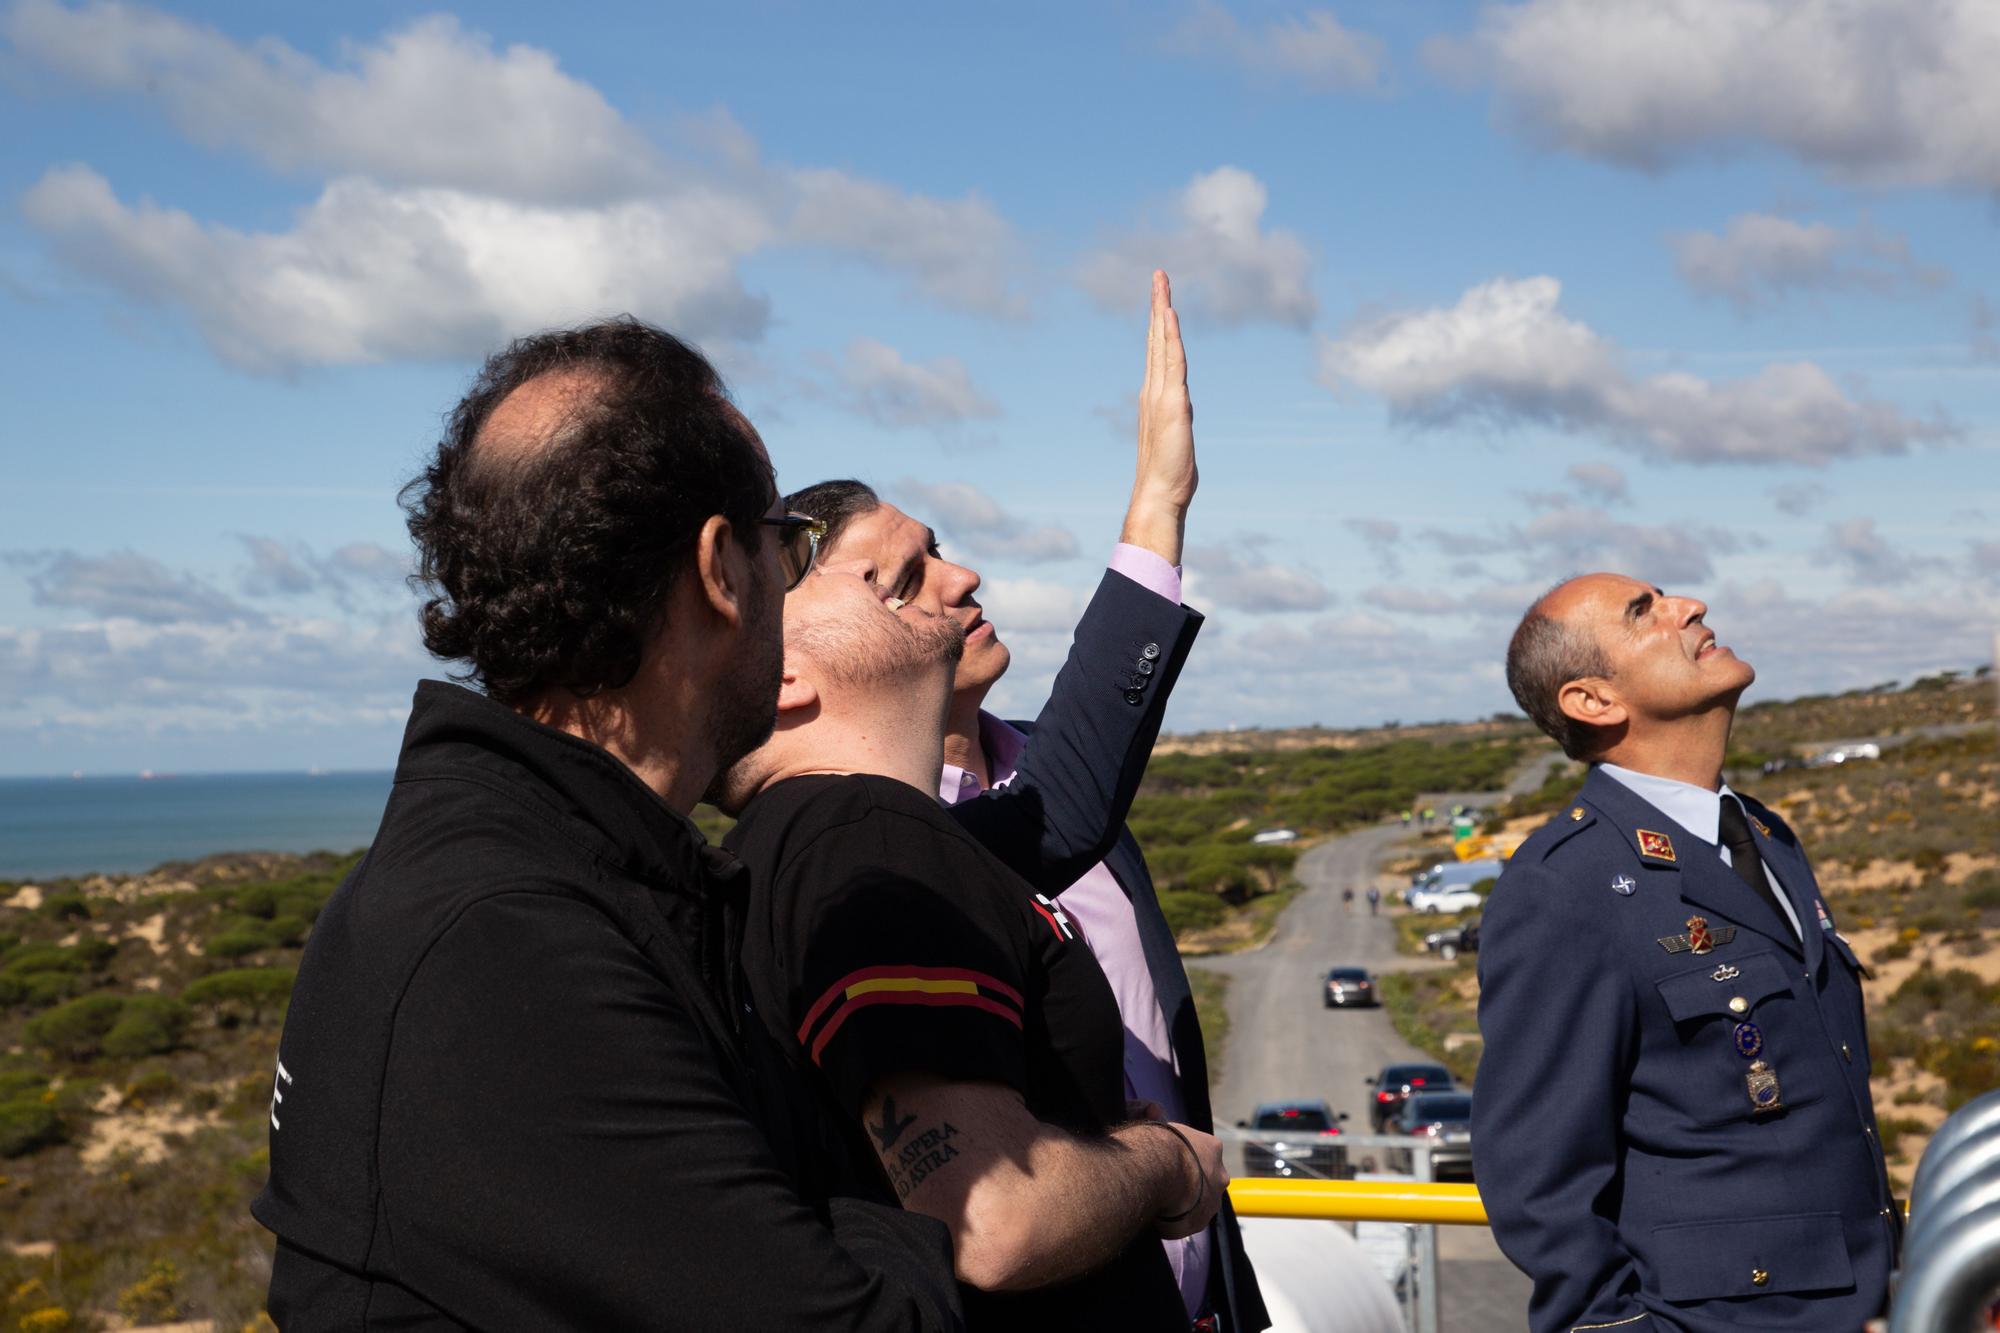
point(1951, 1254)
point(1307, 1175)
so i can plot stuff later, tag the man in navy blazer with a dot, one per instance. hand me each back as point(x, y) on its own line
point(1087, 754)
point(1672, 1126)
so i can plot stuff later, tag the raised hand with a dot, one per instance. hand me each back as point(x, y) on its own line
point(1164, 481)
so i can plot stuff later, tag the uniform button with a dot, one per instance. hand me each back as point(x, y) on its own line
point(1576, 812)
point(1758, 1277)
point(1145, 666)
point(1869, 1130)
point(1150, 651)
point(1738, 1005)
point(1135, 696)
point(1846, 1054)
point(1885, 1212)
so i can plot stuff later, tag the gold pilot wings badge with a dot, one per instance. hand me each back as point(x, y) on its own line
point(1657, 845)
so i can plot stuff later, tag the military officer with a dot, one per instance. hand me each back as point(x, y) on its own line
point(1672, 1128)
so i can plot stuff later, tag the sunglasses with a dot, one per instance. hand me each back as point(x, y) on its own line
point(798, 544)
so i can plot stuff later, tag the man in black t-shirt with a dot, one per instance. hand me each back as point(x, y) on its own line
point(951, 1014)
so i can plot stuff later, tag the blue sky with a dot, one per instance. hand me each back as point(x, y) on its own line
point(1475, 297)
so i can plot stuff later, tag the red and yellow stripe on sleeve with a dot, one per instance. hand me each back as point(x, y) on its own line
point(933, 987)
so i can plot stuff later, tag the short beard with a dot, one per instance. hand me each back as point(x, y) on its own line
point(745, 710)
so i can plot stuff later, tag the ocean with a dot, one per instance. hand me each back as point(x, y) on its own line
point(117, 825)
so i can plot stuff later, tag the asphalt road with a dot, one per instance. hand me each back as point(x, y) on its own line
point(1285, 1044)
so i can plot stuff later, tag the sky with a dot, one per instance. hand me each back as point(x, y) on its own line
point(1475, 297)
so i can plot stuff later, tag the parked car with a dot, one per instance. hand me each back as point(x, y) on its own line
point(1309, 1149)
point(1445, 900)
point(1444, 1118)
point(1452, 941)
point(1271, 836)
point(1453, 875)
point(1394, 1085)
point(1347, 986)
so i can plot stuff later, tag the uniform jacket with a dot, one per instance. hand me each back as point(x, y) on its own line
point(1087, 753)
point(1623, 1162)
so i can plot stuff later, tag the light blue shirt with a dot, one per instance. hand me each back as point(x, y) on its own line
point(1699, 811)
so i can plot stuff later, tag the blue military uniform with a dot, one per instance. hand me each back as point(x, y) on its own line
point(1672, 1127)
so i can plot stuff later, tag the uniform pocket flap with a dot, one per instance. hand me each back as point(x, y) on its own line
point(1715, 985)
point(1700, 1261)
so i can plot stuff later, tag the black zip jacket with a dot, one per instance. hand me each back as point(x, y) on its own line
point(516, 1090)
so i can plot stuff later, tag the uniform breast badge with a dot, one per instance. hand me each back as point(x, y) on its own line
point(1749, 1039)
point(1656, 845)
point(1762, 1085)
point(1624, 886)
point(1700, 939)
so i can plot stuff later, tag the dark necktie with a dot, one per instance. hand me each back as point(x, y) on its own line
point(1743, 858)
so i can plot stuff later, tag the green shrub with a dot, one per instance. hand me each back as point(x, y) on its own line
point(245, 994)
point(154, 1298)
point(28, 1123)
point(149, 1025)
point(258, 900)
point(1188, 909)
point(75, 1031)
point(246, 937)
point(1892, 951)
point(153, 1085)
point(66, 907)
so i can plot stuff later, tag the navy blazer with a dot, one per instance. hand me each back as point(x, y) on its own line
point(1672, 1126)
point(1064, 811)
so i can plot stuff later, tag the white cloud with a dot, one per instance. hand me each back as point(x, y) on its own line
point(959, 252)
point(372, 274)
point(1031, 606)
point(1505, 355)
point(1883, 92)
point(470, 194)
point(891, 391)
point(1313, 50)
point(279, 569)
point(1599, 481)
point(1248, 581)
point(1574, 541)
point(1855, 545)
point(1800, 498)
point(1759, 258)
point(1381, 536)
point(429, 104)
point(1413, 601)
point(128, 585)
point(1225, 264)
point(971, 518)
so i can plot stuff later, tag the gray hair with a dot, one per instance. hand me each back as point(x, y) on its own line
point(1544, 655)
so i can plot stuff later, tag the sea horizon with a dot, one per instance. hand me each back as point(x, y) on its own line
point(68, 826)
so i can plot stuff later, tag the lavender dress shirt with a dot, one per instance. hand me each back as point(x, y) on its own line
point(1098, 906)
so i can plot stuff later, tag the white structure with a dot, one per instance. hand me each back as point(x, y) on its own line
point(1317, 1279)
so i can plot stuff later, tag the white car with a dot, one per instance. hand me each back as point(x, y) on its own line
point(1444, 900)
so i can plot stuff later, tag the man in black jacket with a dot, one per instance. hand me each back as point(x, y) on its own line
point(516, 1087)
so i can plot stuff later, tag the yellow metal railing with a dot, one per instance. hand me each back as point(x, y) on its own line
point(1358, 1201)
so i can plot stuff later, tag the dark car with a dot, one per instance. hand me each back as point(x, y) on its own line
point(1397, 1082)
point(1304, 1143)
point(1452, 941)
point(1445, 1118)
point(1348, 986)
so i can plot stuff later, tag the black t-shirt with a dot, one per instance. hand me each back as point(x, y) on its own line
point(882, 939)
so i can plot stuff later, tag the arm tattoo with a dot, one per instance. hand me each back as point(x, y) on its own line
point(917, 1160)
point(891, 1128)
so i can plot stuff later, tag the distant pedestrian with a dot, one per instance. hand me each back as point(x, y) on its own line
point(1406, 818)
point(1374, 901)
point(1430, 813)
point(1347, 898)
